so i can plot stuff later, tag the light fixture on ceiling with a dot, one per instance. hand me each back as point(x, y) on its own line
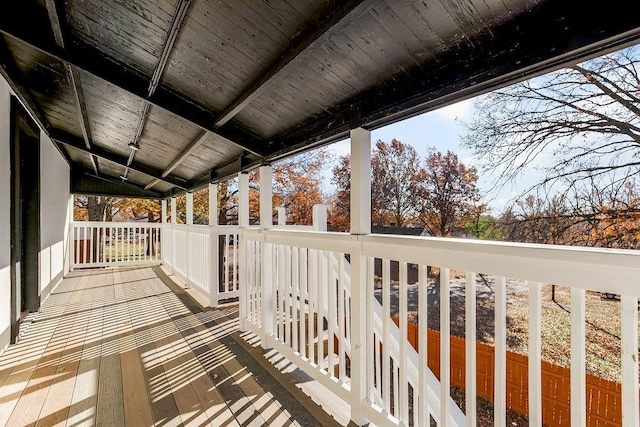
point(134, 146)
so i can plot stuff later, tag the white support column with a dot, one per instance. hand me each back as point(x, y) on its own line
point(189, 214)
point(214, 255)
point(69, 257)
point(360, 181)
point(243, 222)
point(243, 199)
point(189, 208)
point(320, 217)
point(266, 254)
point(282, 215)
point(163, 226)
point(174, 210)
point(174, 217)
point(163, 214)
point(361, 305)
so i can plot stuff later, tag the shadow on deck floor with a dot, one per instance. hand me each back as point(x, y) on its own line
point(129, 347)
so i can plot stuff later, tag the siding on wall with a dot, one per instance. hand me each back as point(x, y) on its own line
point(5, 252)
point(54, 176)
point(54, 205)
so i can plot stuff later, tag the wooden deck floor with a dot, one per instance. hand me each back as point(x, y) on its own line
point(120, 348)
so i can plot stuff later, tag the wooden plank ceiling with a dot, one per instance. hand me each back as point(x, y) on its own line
point(167, 95)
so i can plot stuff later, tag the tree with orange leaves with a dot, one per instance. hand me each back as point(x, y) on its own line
point(449, 195)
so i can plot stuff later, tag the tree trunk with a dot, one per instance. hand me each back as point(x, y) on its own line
point(96, 208)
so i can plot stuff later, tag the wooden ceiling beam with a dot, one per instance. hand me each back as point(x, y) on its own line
point(181, 12)
point(197, 141)
point(9, 71)
point(73, 77)
point(176, 24)
point(80, 176)
point(74, 142)
point(97, 64)
point(309, 39)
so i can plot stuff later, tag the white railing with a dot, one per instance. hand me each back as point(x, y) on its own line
point(206, 258)
point(111, 244)
point(298, 302)
point(306, 308)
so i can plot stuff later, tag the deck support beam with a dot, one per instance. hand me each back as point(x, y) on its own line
point(243, 222)
point(266, 255)
point(189, 208)
point(174, 217)
point(214, 247)
point(360, 225)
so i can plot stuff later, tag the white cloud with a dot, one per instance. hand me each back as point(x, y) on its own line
point(459, 110)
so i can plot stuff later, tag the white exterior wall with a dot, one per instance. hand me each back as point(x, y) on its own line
point(54, 214)
point(54, 179)
point(5, 219)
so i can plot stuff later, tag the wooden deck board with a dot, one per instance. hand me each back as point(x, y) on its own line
point(137, 410)
point(84, 399)
point(58, 401)
point(33, 382)
point(118, 347)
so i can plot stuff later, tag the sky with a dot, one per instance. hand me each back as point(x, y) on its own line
point(442, 129)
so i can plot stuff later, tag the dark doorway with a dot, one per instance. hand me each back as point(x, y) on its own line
point(25, 215)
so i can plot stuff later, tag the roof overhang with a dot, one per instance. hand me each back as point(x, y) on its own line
point(205, 92)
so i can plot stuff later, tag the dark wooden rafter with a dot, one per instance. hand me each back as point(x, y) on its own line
point(73, 77)
point(316, 34)
point(88, 175)
point(308, 39)
point(9, 71)
point(181, 12)
point(95, 63)
point(228, 170)
point(197, 141)
point(74, 142)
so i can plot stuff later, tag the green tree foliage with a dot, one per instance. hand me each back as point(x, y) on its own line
point(484, 227)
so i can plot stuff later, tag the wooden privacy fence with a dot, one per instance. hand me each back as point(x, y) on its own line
point(603, 398)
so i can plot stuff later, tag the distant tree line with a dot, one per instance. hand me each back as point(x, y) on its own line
point(438, 192)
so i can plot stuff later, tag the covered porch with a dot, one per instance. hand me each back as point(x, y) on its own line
point(157, 99)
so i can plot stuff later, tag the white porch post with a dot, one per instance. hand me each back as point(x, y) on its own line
point(266, 254)
point(282, 215)
point(189, 208)
point(243, 222)
point(360, 225)
point(174, 217)
point(214, 255)
point(320, 217)
point(70, 254)
point(189, 214)
point(163, 227)
point(163, 214)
